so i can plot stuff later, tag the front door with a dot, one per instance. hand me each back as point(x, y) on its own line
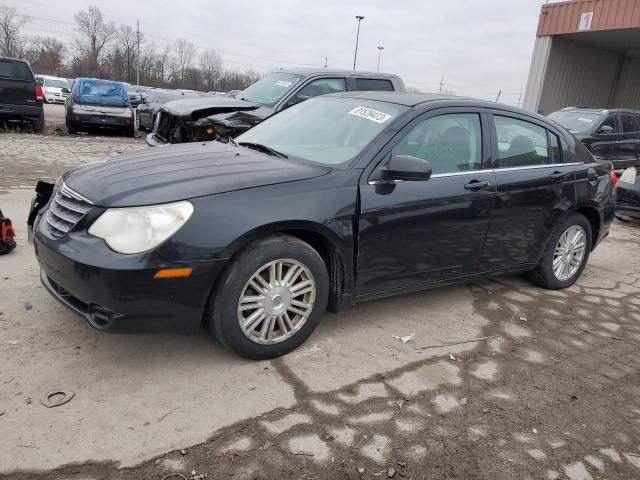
point(534, 189)
point(418, 232)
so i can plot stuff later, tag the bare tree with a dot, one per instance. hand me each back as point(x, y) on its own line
point(11, 45)
point(184, 56)
point(127, 44)
point(95, 32)
point(46, 55)
point(211, 68)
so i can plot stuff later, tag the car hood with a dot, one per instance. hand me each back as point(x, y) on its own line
point(198, 107)
point(177, 172)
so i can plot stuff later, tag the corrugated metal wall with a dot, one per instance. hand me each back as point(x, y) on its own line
point(537, 73)
point(557, 18)
point(628, 91)
point(577, 75)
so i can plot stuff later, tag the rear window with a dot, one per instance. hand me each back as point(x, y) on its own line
point(100, 92)
point(15, 70)
point(373, 84)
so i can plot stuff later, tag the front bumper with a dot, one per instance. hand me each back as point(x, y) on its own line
point(154, 141)
point(118, 292)
point(628, 199)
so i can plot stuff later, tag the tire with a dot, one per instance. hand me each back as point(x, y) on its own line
point(38, 126)
point(544, 274)
point(71, 129)
point(260, 258)
point(130, 131)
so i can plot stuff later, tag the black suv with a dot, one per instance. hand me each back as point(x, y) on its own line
point(20, 96)
point(610, 134)
point(200, 119)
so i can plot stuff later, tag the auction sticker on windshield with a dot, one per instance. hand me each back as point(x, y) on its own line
point(283, 83)
point(370, 114)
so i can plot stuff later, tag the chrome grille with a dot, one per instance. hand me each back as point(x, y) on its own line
point(628, 198)
point(65, 211)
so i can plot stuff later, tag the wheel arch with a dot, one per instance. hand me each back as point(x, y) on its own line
point(592, 214)
point(329, 245)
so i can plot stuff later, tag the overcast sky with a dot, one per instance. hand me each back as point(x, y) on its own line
point(478, 46)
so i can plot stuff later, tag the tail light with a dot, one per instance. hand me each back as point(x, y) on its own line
point(39, 94)
point(613, 178)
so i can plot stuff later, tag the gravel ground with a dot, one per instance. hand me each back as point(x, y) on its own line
point(503, 380)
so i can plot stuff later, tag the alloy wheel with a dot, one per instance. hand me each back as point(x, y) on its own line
point(569, 253)
point(276, 302)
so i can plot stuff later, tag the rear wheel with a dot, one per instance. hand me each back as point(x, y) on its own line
point(566, 255)
point(271, 298)
point(38, 126)
point(71, 129)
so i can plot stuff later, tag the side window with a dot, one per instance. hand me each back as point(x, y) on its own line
point(555, 155)
point(521, 143)
point(451, 143)
point(610, 121)
point(321, 86)
point(373, 84)
point(629, 124)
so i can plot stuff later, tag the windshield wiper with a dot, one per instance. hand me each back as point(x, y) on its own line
point(263, 148)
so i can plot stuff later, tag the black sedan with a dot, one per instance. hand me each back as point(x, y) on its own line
point(334, 201)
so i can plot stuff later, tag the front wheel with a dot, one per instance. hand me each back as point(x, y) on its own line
point(271, 298)
point(566, 255)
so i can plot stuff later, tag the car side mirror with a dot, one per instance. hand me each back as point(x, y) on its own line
point(606, 130)
point(406, 168)
point(65, 90)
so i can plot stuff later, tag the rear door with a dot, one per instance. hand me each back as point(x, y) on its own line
point(419, 232)
point(17, 84)
point(629, 146)
point(534, 188)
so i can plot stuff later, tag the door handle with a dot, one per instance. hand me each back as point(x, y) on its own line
point(559, 176)
point(475, 185)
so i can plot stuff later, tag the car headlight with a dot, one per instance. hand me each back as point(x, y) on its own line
point(139, 229)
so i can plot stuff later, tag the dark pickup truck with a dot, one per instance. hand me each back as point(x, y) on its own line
point(201, 119)
point(20, 96)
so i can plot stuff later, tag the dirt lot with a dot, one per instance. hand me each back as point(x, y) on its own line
point(503, 380)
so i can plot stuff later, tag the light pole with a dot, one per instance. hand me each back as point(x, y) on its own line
point(379, 55)
point(355, 55)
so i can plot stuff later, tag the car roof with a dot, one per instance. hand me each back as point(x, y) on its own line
point(599, 111)
point(342, 72)
point(401, 98)
point(415, 99)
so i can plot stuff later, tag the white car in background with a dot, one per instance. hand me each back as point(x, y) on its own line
point(55, 89)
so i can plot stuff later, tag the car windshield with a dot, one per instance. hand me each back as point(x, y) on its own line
point(55, 83)
point(100, 92)
point(325, 130)
point(269, 90)
point(576, 122)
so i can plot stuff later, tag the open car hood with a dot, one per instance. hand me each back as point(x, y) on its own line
point(194, 108)
point(178, 172)
point(239, 120)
